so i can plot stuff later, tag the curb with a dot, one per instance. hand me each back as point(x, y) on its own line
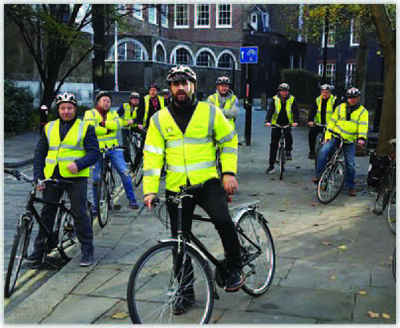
point(17, 164)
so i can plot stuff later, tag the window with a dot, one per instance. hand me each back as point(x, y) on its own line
point(164, 15)
point(137, 11)
point(350, 75)
point(226, 61)
point(355, 32)
point(265, 18)
point(152, 11)
point(291, 61)
point(182, 57)
point(122, 9)
point(254, 21)
point(224, 16)
point(181, 16)
point(160, 54)
point(330, 72)
point(202, 15)
point(331, 37)
point(131, 50)
point(300, 62)
point(205, 59)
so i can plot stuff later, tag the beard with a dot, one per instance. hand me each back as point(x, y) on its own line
point(181, 98)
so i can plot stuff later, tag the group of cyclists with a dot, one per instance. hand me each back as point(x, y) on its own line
point(182, 135)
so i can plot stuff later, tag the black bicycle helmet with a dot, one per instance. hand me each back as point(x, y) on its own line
point(102, 94)
point(223, 80)
point(353, 92)
point(326, 87)
point(66, 97)
point(180, 73)
point(165, 91)
point(154, 85)
point(134, 95)
point(283, 86)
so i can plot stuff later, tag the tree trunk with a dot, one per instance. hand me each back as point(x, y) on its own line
point(387, 38)
point(99, 30)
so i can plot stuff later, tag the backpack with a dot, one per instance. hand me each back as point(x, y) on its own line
point(377, 166)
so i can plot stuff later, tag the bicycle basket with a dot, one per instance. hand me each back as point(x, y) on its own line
point(377, 166)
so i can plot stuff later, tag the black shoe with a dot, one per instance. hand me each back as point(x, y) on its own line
point(35, 258)
point(270, 169)
point(235, 281)
point(86, 261)
point(311, 156)
point(288, 155)
point(184, 301)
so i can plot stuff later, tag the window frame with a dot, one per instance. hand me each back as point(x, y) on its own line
point(187, 16)
point(217, 10)
point(164, 18)
point(196, 13)
point(350, 74)
point(353, 31)
point(151, 8)
point(137, 12)
point(331, 77)
point(256, 21)
point(331, 37)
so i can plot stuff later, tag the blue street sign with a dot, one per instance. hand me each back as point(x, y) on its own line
point(248, 55)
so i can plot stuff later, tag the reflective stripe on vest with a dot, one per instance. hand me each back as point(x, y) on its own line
point(110, 139)
point(62, 153)
point(215, 99)
point(288, 108)
point(147, 106)
point(129, 114)
point(329, 109)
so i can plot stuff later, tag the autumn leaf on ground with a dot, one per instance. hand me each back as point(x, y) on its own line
point(342, 247)
point(363, 292)
point(314, 204)
point(333, 277)
point(326, 243)
point(385, 315)
point(120, 315)
point(373, 314)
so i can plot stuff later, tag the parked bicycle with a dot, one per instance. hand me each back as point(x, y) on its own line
point(62, 238)
point(281, 154)
point(138, 171)
point(106, 188)
point(168, 268)
point(332, 179)
point(319, 142)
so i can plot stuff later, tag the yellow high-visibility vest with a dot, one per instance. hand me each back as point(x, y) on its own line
point(62, 153)
point(215, 99)
point(190, 156)
point(278, 106)
point(113, 123)
point(352, 130)
point(129, 114)
point(147, 106)
point(329, 109)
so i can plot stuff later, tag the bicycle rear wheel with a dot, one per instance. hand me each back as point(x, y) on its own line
point(67, 238)
point(155, 286)
point(103, 200)
point(391, 218)
point(256, 242)
point(318, 146)
point(138, 174)
point(331, 183)
point(19, 252)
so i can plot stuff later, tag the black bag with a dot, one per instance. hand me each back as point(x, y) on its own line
point(377, 166)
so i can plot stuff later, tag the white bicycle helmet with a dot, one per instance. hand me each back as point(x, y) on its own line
point(66, 97)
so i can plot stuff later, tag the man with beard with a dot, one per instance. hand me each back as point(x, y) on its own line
point(183, 137)
point(66, 149)
point(225, 99)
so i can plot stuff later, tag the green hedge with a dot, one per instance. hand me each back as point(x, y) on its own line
point(303, 84)
point(18, 108)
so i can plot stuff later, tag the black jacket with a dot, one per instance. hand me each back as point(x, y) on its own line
point(282, 117)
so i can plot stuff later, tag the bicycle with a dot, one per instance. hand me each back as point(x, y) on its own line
point(332, 179)
point(162, 273)
point(319, 141)
point(138, 171)
point(281, 158)
point(62, 238)
point(134, 144)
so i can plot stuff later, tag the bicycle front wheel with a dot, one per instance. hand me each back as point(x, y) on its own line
point(67, 239)
point(18, 254)
point(318, 146)
point(258, 253)
point(331, 183)
point(139, 174)
point(391, 218)
point(158, 284)
point(281, 162)
point(103, 200)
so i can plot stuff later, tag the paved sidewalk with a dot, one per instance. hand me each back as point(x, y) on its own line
point(333, 261)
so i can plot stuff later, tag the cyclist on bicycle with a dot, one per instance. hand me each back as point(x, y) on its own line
point(66, 149)
point(225, 99)
point(165, 94)
point(182, 136)
point(129, 113)
point(350, 120)
point(149, 105)
point(289, 116)
point(106, 124)
point(320, 114)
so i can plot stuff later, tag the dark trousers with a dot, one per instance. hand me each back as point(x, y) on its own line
point(275, 137)
point(126, 134)
point(139, 153)
point(312, 136)
point(212, 199)
point(77, 194)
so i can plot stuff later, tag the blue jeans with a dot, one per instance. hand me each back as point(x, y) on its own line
point(349, 150)
point(117, 161)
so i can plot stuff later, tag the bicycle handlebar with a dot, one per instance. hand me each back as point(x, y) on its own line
point(19, 175)
point(280, 126)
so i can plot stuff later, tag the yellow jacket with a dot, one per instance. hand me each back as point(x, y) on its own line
point(329, 109)
point(288, 108)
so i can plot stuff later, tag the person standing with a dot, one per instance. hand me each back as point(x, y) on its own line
point(349, 120)
point(225, 99)
point(66, 149)
point(106, 124)
point(165, 94)
point(283, 111)
point(320, 115)
point(128, 111)
point(182, 137)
